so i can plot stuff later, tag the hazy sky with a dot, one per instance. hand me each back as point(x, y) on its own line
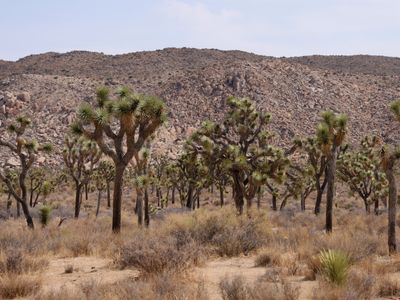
point(270, 27)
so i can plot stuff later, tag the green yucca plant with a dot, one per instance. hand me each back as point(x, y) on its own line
point(44, 213)
point(334, 266)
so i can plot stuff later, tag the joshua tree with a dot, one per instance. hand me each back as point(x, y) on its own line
point(390, 156)
point(100, 183)
point(188, 174)
point(330, 136)
point(107, 170)
point(299, 184)
point(361, 171)
point(26, 150)
point(120, 127)
point(80, 157)
point(241, 145)
point(318, 162)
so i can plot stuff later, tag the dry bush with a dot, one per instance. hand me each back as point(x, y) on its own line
point(360, 285)
point(357, 245)
point(387, 287)
point(237, 289)
point(16, 262)
point(268, 257)
point(15, 285)
point(155, 254)
point(222, 231)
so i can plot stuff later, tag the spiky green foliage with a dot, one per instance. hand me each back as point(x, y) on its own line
point(360, 170)
point(120, 126)
point(395, 108)
point(44, 213)
point(334, 266)
point(27, 150)
point(241, 146)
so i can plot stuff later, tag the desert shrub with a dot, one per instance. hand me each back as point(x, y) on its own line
point(155, 254)
point(234, 241)
point(17, 263)
point(327, 292)
point(334, 266)
point(360, 285)
point(44, 213)
point(356, 244)
point(234, 288)
point(387, 287)
point(16, 285)
point(237, 289)
point(267, 257)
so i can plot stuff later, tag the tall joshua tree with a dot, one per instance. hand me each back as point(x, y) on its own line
point(330, 136)
point(241, 145)
point(80, 157)
point(120, 127)
point(26, 150)
point(389, 156)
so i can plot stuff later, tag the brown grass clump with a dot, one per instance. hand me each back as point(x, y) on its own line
point(388, 287)
point(16, 285)
point(237, 289)
point(268, 257)
point(16, 262)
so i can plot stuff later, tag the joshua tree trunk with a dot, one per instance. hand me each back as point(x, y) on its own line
point(320, 190)
point(274, 204)
point(330, 193)
point(118, 185)
point(367, 206)
point(9, 203)
point(173, 196)
point(98, 203)
point(376, 207)
point(303, 202)
point(146, 208)
point(392, 209)
point(189, 201)
point(108, 195)
point(78, 188)
point(238, 194)
point(221, 196)
point(86, 192)
point(18, 209)
point(139, 206)
point(27, 214)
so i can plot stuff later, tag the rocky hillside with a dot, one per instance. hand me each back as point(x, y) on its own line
point(195, 83)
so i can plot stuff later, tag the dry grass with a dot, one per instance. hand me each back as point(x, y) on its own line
point(236, 288)
point(16, 285)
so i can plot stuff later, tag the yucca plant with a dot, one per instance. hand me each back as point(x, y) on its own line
point(334, 266)
point(44, 213)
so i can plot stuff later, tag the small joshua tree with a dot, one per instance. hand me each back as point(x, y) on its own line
point(241, 145)
point(360, 170)
point(317, 160)
point(100, 183)
point(330, 136)
point(120, 127)
point(26, 150)
point(107, 170)
point(80, 157)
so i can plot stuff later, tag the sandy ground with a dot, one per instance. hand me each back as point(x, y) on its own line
point(85, 270)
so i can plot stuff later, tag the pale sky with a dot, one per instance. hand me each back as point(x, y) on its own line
point(274, 28)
